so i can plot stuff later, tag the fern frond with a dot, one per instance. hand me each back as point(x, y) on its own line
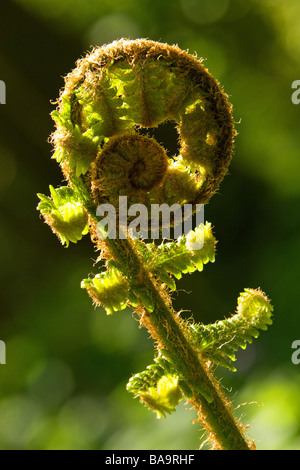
point(111, 94)
point(218, 342)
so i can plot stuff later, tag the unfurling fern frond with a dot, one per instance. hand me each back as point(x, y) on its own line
point(115, 95)
point(218, 342)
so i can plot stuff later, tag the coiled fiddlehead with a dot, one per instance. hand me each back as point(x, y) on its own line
point(113, 94)
point(128, 85)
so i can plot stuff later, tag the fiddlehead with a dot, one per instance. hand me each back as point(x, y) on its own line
point(113, 93)
point(128, 85)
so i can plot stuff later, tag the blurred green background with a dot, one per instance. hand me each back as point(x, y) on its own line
point(63, 386)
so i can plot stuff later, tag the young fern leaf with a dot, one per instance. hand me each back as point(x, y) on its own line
point(218, 342)
point(112, 93)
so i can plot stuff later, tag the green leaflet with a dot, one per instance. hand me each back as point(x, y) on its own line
point(111, 290)
point(103, 109)
point(149, 377)
point(76, 145)
point(140, 94)
point(63, 117)
point(179, 93)
point(186, 255)
point(219, 341)
point(158, 387)
point(178, 185)
point(65, 214)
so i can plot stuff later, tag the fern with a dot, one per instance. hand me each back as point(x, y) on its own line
point(112, 93)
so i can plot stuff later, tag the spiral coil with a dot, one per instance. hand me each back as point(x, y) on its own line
point(120, 88)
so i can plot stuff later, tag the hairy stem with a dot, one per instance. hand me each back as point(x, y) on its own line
point(212, 406)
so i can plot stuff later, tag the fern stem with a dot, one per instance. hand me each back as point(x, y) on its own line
point(212, 406)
